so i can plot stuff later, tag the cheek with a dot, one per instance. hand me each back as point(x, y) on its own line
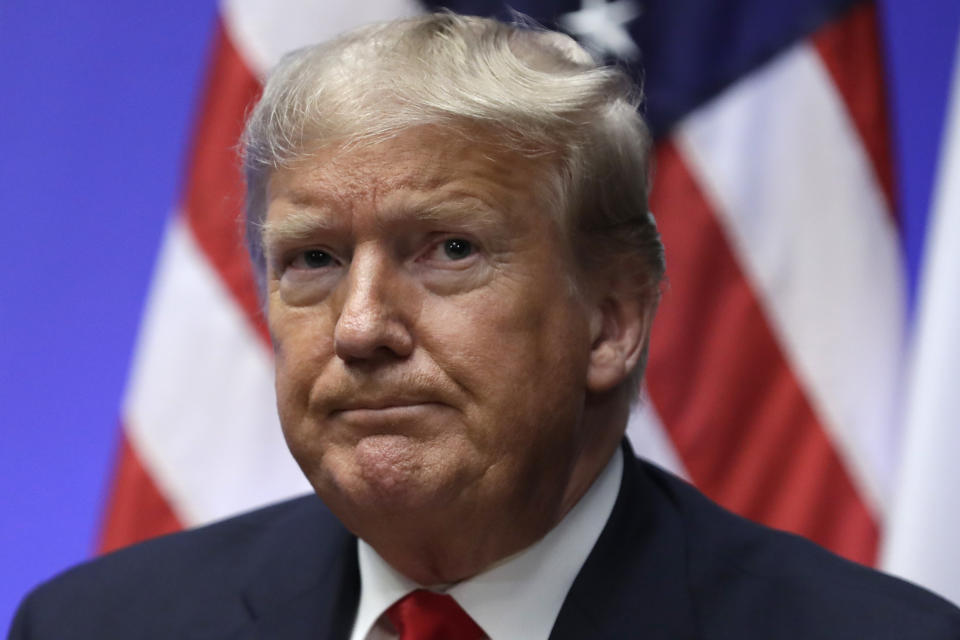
point(519, 357)
point(302, 344)
point(302, 349)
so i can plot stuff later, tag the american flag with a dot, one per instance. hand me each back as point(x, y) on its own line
point(786, 378)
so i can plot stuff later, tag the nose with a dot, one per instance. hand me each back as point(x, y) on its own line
point(371, 323)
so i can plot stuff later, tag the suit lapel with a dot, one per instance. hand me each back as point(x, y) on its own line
point(309, 584)
point(633, 583)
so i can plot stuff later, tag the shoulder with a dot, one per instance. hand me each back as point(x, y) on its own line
point(746, 577)
point(186, 575)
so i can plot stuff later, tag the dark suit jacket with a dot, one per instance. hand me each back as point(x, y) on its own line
point(670, 564)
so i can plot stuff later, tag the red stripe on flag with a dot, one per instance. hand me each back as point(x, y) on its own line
point(136, 510)
point(214, 193)
point(740, 421)
point(850, 49)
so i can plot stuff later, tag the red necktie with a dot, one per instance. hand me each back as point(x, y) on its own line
point(425, 615)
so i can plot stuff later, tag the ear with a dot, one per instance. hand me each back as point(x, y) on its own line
point(619, 328)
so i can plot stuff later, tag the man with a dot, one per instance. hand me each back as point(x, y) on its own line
point(448, 217)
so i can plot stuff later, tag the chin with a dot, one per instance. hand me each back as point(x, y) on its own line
point(386, 474)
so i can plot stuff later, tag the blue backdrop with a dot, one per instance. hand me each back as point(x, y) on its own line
point(96, 107)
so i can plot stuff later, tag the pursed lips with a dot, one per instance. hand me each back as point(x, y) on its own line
point(382, 407)
point(387, 417)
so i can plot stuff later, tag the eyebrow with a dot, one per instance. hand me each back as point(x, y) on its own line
point(296, 225)
point(464, 211)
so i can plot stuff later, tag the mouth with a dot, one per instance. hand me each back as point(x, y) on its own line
point(386, 410)
point(380, 404)
point(408, 418)
point(382, 408)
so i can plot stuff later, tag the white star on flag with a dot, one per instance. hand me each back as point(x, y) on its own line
point(600, 25)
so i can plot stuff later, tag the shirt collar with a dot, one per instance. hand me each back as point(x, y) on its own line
point(519, 597)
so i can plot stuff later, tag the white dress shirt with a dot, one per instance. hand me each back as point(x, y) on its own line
point(519, 597)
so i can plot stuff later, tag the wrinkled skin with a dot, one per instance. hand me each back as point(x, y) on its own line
point(441, 384)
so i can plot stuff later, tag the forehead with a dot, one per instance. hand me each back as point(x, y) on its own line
point(422, 169)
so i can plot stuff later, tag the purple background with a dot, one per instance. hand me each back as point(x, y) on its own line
point(96, 106)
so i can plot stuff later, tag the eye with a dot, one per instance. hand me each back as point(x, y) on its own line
point(451, 252)
point(457, 248)
point(312, 259)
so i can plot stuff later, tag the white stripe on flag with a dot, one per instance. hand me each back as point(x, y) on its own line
point(923, 533)
point(200, 410)
point(785, 170)
point(264, 30)
point(650, 440)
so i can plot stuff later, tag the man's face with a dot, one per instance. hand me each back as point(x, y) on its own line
point(431, 354)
